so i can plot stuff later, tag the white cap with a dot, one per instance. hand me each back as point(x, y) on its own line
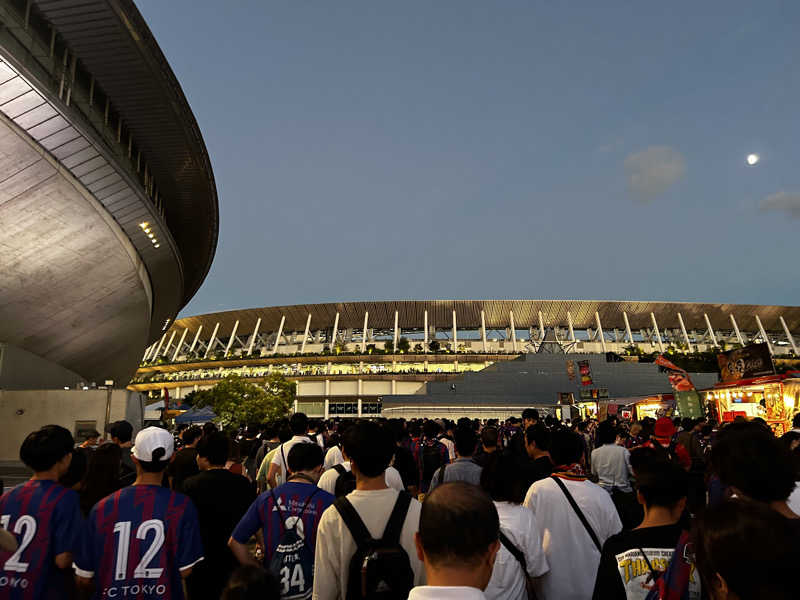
point(150, 439)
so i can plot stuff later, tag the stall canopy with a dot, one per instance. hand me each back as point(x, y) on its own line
point(196, 415)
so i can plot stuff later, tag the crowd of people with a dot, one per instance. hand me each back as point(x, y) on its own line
point(419, 509)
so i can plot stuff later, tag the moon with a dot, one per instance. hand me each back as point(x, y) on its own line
point(752, 159)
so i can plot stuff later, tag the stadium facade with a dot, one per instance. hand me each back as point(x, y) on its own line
point(107, 197)
point(352, 357)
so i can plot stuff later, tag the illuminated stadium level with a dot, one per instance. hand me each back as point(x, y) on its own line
point(355, 353)
point(107, 198)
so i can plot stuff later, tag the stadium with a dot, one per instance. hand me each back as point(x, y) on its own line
point(411, 358)
point(107, 196)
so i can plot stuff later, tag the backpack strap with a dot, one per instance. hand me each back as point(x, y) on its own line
point(578, 512)
point(339, 469)
point(441, 471)
point(394, 526)
point(303, 510)
point(278, 508)
point(515, 552)
point(354, 524)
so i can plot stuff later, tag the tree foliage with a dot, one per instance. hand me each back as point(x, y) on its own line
point(236, 401)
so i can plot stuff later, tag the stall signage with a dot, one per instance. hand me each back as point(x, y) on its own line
point(594, 394)
point(745, 363)
point(689, 404)
point(566, 398)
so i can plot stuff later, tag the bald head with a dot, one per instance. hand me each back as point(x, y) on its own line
point(458, 525)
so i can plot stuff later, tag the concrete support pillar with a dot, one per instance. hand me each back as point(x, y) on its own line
point(396, 332)
point(394, 386)
point(161, 343)
point(425, 343)
point(327, 387)
point(658, 333)
point(233, 337)
point(541, 327)
point(600, 330)
point(513, 330)
point(789, 336)
point(254, 336)
point(710, 330)
point(571, 330)
point(305, 335)
point(685, 335)
point(364, 333)
point(455, 334)
point(295, 406)
point(147, 352)
point(280, 333)
point(359, 407)
point(764, 335)
point(327, 408)
point(335, 331)
point(179, 347)
point(211, 341)
point(169, 343)
point(736, 329)
point(196, 337)
point(628, 328)
point(483, 331)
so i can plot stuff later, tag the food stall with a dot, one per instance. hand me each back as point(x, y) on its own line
point(655, 407)
point(774, 398)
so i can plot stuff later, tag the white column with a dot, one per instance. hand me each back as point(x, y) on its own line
point(710, 330)
point(158, 348)
point(196, 337)
point(455, 334)
point(736, 329)
point(180, 345)
point(305, 335)
point(628, 328)
point(169, 343)
point(685, 335)
point(211, 341)
point(396, 332)
point(364, 333)
point(359, 407)
point(425, 344)
point(764, 334)
point(483, 331)
point(147, 352)
point(254, 336)
point(280, 332)
point(541, 327)
point(295, 406)
point(789, 336)
point(335, 331)
point(233, 337)
point(571, 330)
point(327, 408)
point(513, 331)
point(600, 330)
point(658, 333)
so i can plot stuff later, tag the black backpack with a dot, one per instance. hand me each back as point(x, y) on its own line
point(345, 483)
point(669, 453)
point(379, 569)
point(431, 460)
point(292, 562)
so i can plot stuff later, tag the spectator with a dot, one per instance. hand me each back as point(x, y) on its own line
point(464, 468)
point(572, 544)
point(537, 445)
point(429, 454)
point(92, 439)
point(488, 446)
point(457, 542)
point(298, 423)
point(270, 441)
point(249, 448)
point(250, 582)
point(530, 417)
point(315, 433)
point(102, 476)
point(121, 434)
point(403, 459)
point(143, 520)
point(184, 465)
point(334, 456)
point(45, 516)
point(663, 441)
point(743, 550)
point(611, 463)
point(446, 435)
point(284, 435)
point(221, 499)
point(662, 489)
point(500, 479)
point(75, 475)
point(372, 503)
point(235, 457)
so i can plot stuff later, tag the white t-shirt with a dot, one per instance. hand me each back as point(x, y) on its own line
point(451, 447)
point(283, 451)
point(519, 525)
point(335, 546)
point(328, 480)
point(571, 554)
point(450, 592)
point(333, 457)
point(794, 500)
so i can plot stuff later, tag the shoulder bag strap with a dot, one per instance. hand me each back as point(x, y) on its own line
point(278, 508)
point(395, 524)
point(353, 522)
point(653, 573)
point(515, 552)
point(285, 464)
point(442, 469)
point(339, 469)
point(303, 510)
point(578, 512)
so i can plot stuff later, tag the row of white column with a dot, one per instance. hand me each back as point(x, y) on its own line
point(155, 351)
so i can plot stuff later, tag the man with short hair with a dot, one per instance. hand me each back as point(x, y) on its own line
point(221, 498)
point(663, 441)
point(661, 489)
point(370, 451)
point(537, 447)
point(572, 544)
point(184, 463)
point(143, 539)
point(298, 423)
point(488, 446)
point(429, 454)
point(463, 468)
point(44, 516)
point(458, 540)
point(121, 434)
point(530, 417)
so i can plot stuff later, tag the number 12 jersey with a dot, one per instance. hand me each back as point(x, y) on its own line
point(137, 541)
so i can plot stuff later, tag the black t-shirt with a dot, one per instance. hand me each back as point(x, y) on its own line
point(221, 499)
point(623, 573)
point(406, 466)
point(183, 466)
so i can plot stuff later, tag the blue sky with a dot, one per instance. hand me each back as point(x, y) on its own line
point(418, 150)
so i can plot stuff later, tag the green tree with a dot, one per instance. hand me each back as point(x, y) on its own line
point(236, 401)
point(403, 345)
point(434, 346)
